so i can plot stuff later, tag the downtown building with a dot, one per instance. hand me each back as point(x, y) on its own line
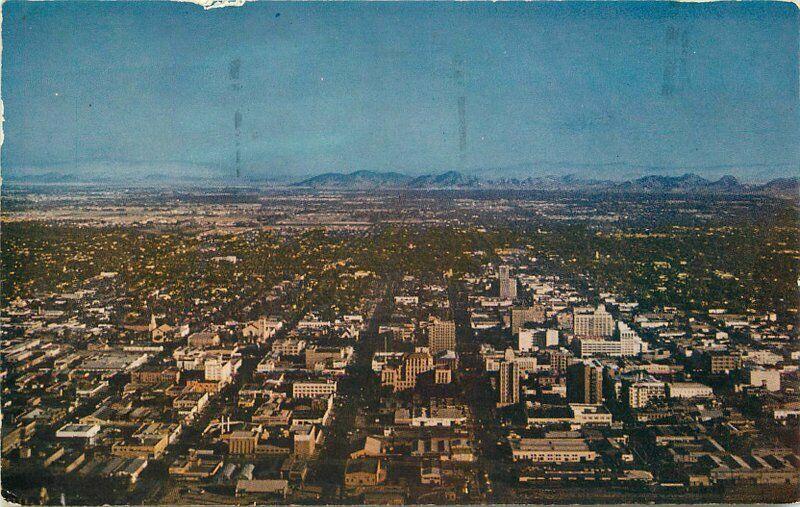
point(585, 383)
point(525, 315)
point(404, 376)
point(528, 339)
point(507, 285)
point(639, 390)
point(594, 322)
point(508, 385)
point(627, 343)
point(441, 335)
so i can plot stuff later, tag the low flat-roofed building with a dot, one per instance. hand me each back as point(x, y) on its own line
point(289, 346)
point(583, 414)
point(263, 487)
point(769, 379)
point(316, 354)
point(551, 450)
point(154, 374)
point(142, 446)
point(203, 339)
point(111, 361)
point(271, 414)
point(84, 431)
point(313, 389)
point(689, 390)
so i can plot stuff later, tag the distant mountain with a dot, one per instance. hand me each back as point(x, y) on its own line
point(658, 183)
point(553, 183)
point(781, 187)
point(356, 180)
point(686, 183)
point(372, 179)
point(727, 183)
point(449, 179)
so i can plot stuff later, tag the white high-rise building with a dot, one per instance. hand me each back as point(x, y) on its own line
point(525, 340)
point(592, 322)
point(550, 338)
point(637, 394)
point(628, 344)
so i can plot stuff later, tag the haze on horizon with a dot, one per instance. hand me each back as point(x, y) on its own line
point(598, 89)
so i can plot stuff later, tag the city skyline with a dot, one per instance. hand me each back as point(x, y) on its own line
point(263, 346)
point(392, 253)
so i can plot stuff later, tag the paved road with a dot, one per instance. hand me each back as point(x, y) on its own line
point(357, 389)
point(492, 461)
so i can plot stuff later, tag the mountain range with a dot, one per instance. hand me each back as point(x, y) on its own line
point(165, 175)
point(373, 179)
point(687, 183)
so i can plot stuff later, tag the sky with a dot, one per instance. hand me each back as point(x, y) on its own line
point(596, 89)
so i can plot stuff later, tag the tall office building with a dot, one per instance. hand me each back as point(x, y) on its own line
point(592, 322)
point(508, 288)
point(523, 315)
point(550, 338)
point(585, 383)
point(416, 363)
point(637, 393)
point(507, 284)
point(526, 339)
point(441, 335)
point(404, 376)
point(509, 383)
point(559, 360)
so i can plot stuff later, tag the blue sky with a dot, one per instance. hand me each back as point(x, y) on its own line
point(596, 89)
